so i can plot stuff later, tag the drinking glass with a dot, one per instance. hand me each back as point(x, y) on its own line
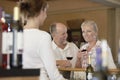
point(84, 58)
point(69, 56)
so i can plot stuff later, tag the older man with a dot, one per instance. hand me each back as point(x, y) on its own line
point(62, 48)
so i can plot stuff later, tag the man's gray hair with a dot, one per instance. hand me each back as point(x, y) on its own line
point(52, 28)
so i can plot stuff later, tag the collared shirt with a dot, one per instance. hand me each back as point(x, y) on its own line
point(111, 64)
point(61, 54)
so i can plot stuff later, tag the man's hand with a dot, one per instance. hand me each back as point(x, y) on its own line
point(63, 63)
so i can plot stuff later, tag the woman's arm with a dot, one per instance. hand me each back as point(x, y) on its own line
point(48, 59)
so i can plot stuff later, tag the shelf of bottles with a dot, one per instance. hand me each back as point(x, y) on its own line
point(12, 41)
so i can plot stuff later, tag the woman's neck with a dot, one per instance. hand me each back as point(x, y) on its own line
point(32, 23)
point(91, 45)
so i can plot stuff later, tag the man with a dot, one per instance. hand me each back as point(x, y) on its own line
point(61, 47)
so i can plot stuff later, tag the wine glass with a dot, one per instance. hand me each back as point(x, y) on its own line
point(69, 56)
point(84, 58)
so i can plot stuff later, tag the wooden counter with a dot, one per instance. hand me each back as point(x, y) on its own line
point(71, 69)
point(19, 74)
point(80, 74)
point(83, 69)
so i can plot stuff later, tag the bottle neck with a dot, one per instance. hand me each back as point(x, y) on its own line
point(89, 59)
point(17, 25)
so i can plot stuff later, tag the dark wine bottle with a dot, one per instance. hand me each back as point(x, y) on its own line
point(89, 69)
point(5, 40)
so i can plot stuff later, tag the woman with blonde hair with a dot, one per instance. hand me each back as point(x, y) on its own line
point(90, 35)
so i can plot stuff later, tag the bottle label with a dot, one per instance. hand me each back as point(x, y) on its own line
point(89, 76)
point(7, 43)
point(10, 42)
point(4, 43)
point(19, 42)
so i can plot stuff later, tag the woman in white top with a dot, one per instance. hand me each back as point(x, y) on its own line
point(37, 43)
point(90, 34)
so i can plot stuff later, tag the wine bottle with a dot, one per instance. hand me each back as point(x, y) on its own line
point(101, 62)
point(16, 56)
point(0, 46)
point(89, 69)
point(98, 59)
point(98, 73)
point(104, 55)
point(5, 52)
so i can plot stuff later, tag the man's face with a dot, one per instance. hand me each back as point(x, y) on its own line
point(61, 35)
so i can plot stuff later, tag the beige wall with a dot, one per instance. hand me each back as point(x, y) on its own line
point(100, 16)
point(111, 30)
point(7, 6)
point(117, 30)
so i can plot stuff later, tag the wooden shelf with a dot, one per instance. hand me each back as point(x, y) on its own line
point(19, 72)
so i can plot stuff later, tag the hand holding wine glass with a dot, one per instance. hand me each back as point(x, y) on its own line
point(82, 56)
point(82, 53)
point(69, 57)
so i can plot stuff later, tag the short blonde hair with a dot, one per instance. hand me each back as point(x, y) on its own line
point(90, 23)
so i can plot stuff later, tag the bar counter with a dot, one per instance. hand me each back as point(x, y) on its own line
point(83, 69)
point(80, 74)
point(19, 74)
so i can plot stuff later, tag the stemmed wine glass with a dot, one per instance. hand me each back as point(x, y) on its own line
point(69, 56)
point(84, 58)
